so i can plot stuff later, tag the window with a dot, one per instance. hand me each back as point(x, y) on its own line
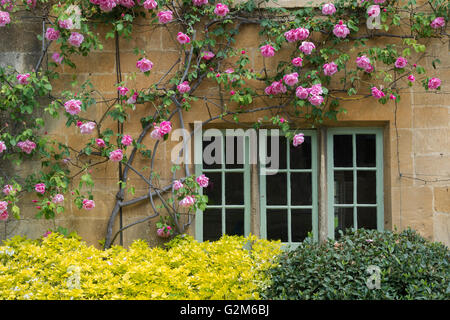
point(289, 195)
point(287, 183)
point(355, 179)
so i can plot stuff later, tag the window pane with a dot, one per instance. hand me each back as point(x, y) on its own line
point(276, 189)
point(277, 225)
point(343, 185)
point(214, 188)
point(366, 187)
point(234, 222)
point(234, 152)
point(343, 151)
point(300, 157)
point(234, 188)
point(343, 219)
point(365, 150)
point(367, 218)
point(212, 152)
point(276, 152)
point(301, 224)
point(212, 224)
point(301, 188)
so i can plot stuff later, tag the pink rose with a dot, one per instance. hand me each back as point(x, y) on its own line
point(122, 90)
point(199, 3)
point(183, 38)
point(301, 34)
point(116, 155)
point(88, 204)
point(165, 16)
point(177, 185)
point(298, 62)
point(26, 146)
point(290, 35)
point(315, 100)
point(298, 139)
point(376, 93)
point(221, 10)
point(401, 63)
point(437, 23)
point(4, 216)
point(275, 88)
point(127, 3)
point(392, 97)
point(411, 78)
point(40, 188)
point(3, 206)
point(229, 70)
point(56, 57)
point(100, 142)
point(307, 47)
point(373, 11)
point(340, 30)
point(7, 189)
point(207, 55)
point(291, 79)
point(105, 5)
point(434, 83)
point(165, 127)
point(315, 90)
point(127, 140)
point(150, 4)
point(203, 181)
point(87, 128)
point(73, 106)
point(378, 1)
point(183, 87)
point(144, 65)
point(301, 93)
point(23, 78)
point(4, 18)
point(363, 62)
point(76, 39)
point(187, 201)
point(52, 34)
point(156, 134)
point(330, 68)
point(267, 50)
point(328, 9)
point(66, 24)
point(58, 198)
point(2, 146)
point(133, 98)
point(164, 232)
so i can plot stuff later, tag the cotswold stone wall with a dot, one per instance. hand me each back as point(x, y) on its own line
point(416, 134)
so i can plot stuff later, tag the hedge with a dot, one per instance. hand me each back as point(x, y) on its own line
point(59, 268)
point(406, 265)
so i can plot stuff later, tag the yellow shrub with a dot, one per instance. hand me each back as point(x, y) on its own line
point(66, 268)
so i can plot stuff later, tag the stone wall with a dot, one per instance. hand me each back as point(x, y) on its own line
point(416, 139)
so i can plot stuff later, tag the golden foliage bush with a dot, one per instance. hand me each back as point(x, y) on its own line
point(66, 268)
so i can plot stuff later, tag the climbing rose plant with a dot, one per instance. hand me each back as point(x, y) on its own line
point(310, 85)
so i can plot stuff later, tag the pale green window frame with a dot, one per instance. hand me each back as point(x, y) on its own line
point(379, 205)
point(288, 206)
point(198, 156)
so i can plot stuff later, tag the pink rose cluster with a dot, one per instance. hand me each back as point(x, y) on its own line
point(160, 131)
point(183, 38)
point(165, 16)
point(199, 3)
point(87, 127)
point(108, 5)
point(51, 34)
point(40, 188)
point(58, 198)
point(26, 146)
point(3, 210)
point(328, 9)
point(313, 94)
point(4, 18)
point(65, 24)
point(400, 63)
point(434, 83)
point(150, 4)
point(8, 189)
point(298, 34)
point(298, 139)
point(2, 146)
point(221, 10)
point(183, 87)
point(437, 23)
point(116, 155)
point(88, 204)
point(275, 88)
point(23, 78)
point(363, 62)
point(377, 93)
point(76, 39)
point(187, 201)
point(127, 140)
point(164, 232)
point(307, 47)
point(291, 79)
point(267, 51)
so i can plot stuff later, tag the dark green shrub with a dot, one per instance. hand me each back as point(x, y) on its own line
point(410, 268)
